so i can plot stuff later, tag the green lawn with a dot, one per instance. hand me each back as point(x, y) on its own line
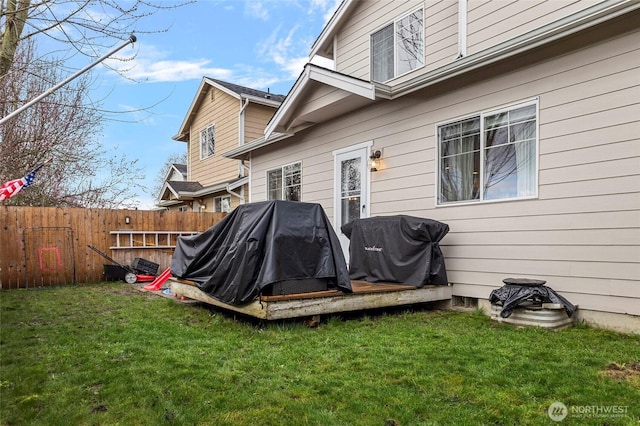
point(108, 354)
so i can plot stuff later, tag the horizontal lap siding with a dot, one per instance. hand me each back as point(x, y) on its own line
point(582, 234)
point(256, 118)
point(441, 34)
point(491, 22)
point(223, 112)
point(353, 39)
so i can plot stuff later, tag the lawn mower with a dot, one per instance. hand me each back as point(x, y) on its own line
point(133, 274)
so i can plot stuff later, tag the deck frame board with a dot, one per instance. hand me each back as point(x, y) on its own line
point(365, 296)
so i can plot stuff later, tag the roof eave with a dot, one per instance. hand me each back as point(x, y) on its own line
point(261, 101)
point(329, 30)
point(312, 72)
point(241, 152)
point(168, 203)
point(191, 112)
point(212, 189)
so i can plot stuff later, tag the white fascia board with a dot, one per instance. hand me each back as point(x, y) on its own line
point(220, 87)
point(204, 191)
point(363, 88)
point(330, 28)
point(167, 203)
point(212, 189)
point(238, 153)
point(166, 187)
point(261, 101)
point(325, 76)
point(190, 112)
point(237, 184)
point(288, 101)
point(166, 176)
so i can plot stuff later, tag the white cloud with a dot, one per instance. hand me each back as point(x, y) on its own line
point(256, 9)
point(153, 65)
point(289, 51)
point(327, 7)
point(175, 70)
point(284, 51)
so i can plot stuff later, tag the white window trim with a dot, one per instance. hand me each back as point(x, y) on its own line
point(395, 51)
point(281, 168)
point(220, 198)
point(481, 115)
point(200, 141)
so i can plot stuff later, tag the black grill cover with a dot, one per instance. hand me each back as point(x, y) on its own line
point(396, 249)
point(259, 244)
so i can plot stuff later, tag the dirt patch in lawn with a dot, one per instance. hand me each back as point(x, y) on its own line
point(629, 372)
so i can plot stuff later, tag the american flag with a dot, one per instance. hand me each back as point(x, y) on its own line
point(11, 188)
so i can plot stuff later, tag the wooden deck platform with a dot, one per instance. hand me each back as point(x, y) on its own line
point(365, 296)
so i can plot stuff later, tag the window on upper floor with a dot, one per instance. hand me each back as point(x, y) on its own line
point(489, 156)
point(285, 183)
point(398, 48)
point(222, 204)
point(207, 142)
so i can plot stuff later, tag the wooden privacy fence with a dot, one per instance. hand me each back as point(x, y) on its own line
point(47, 246)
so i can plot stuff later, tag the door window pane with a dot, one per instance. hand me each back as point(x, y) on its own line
point(350, 209)
point(350, 183)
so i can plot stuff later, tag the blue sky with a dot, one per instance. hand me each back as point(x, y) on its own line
point(259, 44)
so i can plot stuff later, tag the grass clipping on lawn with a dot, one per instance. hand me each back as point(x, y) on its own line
point(109, 354)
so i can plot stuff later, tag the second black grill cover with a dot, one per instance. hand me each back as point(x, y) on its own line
point(259, 244)
point(397, 249)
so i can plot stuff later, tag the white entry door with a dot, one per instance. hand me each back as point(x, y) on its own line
point(351, 189)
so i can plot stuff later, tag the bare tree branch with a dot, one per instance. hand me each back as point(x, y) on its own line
point(64, 128)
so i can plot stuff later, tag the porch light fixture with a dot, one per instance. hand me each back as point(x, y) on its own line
point(375, 159)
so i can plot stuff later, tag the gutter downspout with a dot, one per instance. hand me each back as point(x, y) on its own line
point(462, 28)
point(235, 194)
point(243, 106)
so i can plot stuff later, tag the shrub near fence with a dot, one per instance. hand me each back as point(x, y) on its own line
point(46, 246)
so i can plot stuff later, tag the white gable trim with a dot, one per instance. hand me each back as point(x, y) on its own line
point(182, 132)
point(330, 29)
point(167, 187)
point(221, 87)
point(322, 75)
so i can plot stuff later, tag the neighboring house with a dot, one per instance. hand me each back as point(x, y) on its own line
point(174, 182)
point(517, 123)
point(222, 116)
